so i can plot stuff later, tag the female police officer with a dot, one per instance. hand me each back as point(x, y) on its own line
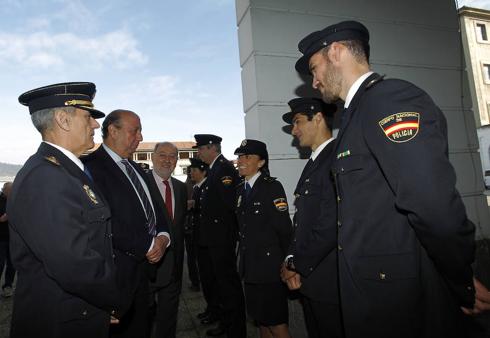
point(265, 234)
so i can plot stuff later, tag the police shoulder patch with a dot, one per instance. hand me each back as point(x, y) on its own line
point(270, 179)
point(401, 127)
point(226, 180)
point(281, 204)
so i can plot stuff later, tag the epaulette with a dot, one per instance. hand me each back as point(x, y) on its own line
point(375, 81)
point(52, 159)
point(270, 179)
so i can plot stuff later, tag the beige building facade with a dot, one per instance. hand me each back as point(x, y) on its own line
point(475, 32)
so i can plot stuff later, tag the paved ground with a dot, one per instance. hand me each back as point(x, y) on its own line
point(191, 303)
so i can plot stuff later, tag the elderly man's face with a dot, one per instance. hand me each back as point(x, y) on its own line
point(326, 78)
point(127, 136)
point(164, 160)
point(82, 127)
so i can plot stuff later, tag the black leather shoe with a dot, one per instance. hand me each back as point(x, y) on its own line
point(217, 331)
point(211, 319)
point(203, 315)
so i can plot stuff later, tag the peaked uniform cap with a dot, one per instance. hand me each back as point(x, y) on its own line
point(68, 94)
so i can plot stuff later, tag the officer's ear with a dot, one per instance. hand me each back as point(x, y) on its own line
point(62, 119)
point(261, 163)
point(318, 117)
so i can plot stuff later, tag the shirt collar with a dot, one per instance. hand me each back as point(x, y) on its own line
point(354, 88)
point(317, 151)
point(212, 163)
point(68, 154)
point(112, 154)
point(252, 180)
point(161, 179)
point(201, 183)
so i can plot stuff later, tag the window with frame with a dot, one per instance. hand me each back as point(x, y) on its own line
point(486, 72)
point(481, 32)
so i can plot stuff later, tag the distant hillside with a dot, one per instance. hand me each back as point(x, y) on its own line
point(7, 169)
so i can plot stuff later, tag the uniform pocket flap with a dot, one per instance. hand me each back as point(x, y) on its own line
point(97, 214)
point(388, 267)
point(348, 164)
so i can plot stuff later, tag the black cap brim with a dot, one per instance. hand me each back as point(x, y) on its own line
point(96, 114)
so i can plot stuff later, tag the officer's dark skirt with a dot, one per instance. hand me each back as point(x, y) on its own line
point(267, 303)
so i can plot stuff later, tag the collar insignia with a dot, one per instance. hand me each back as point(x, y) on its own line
point(52, 159)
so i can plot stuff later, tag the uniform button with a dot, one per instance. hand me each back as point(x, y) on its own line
point(306, 192)
point(338, 198)
point(342, 169)
point(84, 313)
point(215, 221)
point(339, 224)
point(469, 288)
point(268, 254)
point(256, 211)
point(113, 312)
point(307, 180)
point(339, 247)
point(382, 276)
point(311, 269)
point(113, 256)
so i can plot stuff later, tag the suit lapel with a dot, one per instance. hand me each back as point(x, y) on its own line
point(177, 196)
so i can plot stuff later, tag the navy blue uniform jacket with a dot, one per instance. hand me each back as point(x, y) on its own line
point(61, 247)
point(265, 230)
point(405, 244)
point(218, 225)
point(315, 237)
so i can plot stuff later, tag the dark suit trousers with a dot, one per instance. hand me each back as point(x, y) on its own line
point(223, 260)
point(134, 322)
point(167, 309)
point(208, 281)
point(322, 319)
point(5, 260)
point(191, 248)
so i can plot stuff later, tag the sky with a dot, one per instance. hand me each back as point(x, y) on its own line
point(175, 63)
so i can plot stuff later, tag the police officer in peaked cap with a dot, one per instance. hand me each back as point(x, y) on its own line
point(218, 236)
point(405, 244)
point(265, 233)
point(60, 223)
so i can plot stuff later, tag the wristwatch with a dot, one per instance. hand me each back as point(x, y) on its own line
point(290, 264)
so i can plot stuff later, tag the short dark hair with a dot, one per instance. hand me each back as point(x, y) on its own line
point(114, 117)
point(360, 50)
point(328, 117)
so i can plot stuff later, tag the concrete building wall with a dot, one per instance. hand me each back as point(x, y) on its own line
point(415, 40)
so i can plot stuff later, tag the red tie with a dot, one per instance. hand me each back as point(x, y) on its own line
point(168, 199)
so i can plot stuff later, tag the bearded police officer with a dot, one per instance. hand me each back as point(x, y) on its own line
point(405, 244)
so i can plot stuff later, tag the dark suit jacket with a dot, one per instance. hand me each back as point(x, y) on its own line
point(60, 240)
point(218, 225)
point(405, 243)
point(265, 230)
point(131, 239)
point(4, 226)
point(315, 237)
point(171, 266)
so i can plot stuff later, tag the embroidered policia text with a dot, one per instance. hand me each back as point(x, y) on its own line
point(400, 127)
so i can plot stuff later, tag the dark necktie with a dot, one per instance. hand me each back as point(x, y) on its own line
point(87, 172)
point(168, 199)
point(248, 189)
point(150, 216)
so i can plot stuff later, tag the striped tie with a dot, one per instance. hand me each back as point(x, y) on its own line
point(150, 216)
